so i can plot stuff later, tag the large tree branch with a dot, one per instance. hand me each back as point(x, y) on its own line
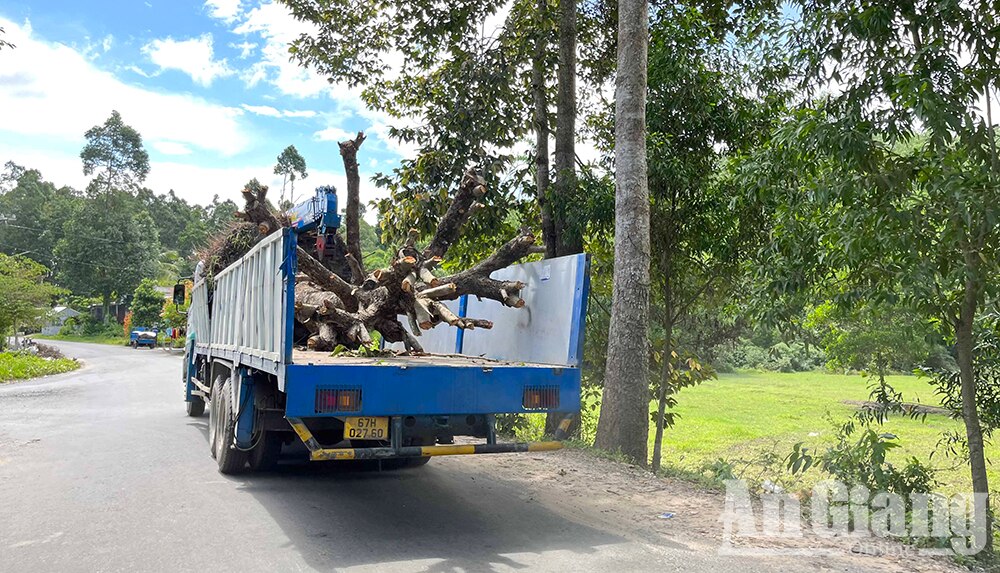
point(349, 151)
point(473, 188)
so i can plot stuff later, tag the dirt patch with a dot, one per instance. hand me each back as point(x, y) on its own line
point(46, 351)
point(631, 502)
point(908, 408)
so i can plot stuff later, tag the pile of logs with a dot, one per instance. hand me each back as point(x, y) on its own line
point(340, 304)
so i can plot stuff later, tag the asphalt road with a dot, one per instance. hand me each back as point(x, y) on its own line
point(100, 470)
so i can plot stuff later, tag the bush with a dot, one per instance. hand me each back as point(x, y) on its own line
point(86, 325)
point(862, 461)
point(779, 357)
point(20, 365)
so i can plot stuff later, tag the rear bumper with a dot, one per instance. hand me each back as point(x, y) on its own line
point(320, 453)
point(428, 390)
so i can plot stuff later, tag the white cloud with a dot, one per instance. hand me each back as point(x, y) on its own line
point(139, 71)
point(52, 90)
point(225, 10)
point(268, 111)
point(107, 42)
point(171, 148)
point(332, 134)
point(264, 110)
point(194, 57)
point(277, 29)
point(246, 49)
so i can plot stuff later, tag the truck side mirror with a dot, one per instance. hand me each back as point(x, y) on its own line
point(179, 294)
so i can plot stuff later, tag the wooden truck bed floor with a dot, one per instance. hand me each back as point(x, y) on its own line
point(314, 358)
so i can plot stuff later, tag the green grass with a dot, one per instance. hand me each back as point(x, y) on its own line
point(742, 417)
point(751, 420)
point(17, 366)
point(115, 340)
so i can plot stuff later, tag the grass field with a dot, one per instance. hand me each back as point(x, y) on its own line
point(740, 418)
point(113, 340)
point(745, 418)
point(17, 366)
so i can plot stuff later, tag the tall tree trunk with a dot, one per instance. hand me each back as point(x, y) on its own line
point(349, 151)
point(973, 432)
point(541, 121)
point(106, 306)
point(624, 422)
point(569, 235)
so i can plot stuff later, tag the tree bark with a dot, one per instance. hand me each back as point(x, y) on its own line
point(973, 431)
point(349, 151)
point(624, 421)
point(106, 306)
point(570, 239)
point(541, 121)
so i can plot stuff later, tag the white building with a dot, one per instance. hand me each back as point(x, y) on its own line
point(57, 318)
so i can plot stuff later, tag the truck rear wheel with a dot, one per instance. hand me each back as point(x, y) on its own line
point(196, 407)
point(267, 448)
point(230, 459)
point(264, 455)
point(214, 415)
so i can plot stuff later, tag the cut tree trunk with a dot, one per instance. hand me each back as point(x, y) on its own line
point(336, 311)
point(624, 420)
point(349, 151)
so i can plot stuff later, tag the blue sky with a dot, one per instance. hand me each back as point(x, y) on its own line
point(207, 83)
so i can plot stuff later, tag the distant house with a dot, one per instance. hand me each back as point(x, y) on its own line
point(118, 312)
point(57, 318)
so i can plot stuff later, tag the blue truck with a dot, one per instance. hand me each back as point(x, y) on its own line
point(142, 336)
point(263, 392)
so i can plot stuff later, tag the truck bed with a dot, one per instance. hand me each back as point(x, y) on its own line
point(314, 358)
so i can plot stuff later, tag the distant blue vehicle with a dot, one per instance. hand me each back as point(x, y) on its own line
point(142, 336)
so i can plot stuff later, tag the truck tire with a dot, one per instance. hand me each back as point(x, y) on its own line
point(264, 455)
point(230, 459)
point(214, 415)
point(195, 408)
point(267, 449)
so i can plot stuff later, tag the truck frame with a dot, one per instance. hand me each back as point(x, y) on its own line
point(263, 392)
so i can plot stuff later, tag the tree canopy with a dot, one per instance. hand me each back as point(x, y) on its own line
point(114, 154)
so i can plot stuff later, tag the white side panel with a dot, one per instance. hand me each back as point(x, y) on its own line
point(247, 302)
point(438, 340)
point(542, 331)
point(198, 322)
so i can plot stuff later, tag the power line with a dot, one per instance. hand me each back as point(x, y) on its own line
point(112, 241)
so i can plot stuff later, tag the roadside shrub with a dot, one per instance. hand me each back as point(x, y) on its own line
point(86, 325)
point(777, 357)
point(861, 460)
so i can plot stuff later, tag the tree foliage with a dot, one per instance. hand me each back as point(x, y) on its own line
point(34, 212)
point(888, 186)
point(25, 294)
point(114, 154)
point(147, 303)
point(109, 246)
point(291, 166)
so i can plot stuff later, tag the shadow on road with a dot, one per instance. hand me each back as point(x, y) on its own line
point(341, 515)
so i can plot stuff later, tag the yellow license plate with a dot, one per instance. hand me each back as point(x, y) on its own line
point(366, 428)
